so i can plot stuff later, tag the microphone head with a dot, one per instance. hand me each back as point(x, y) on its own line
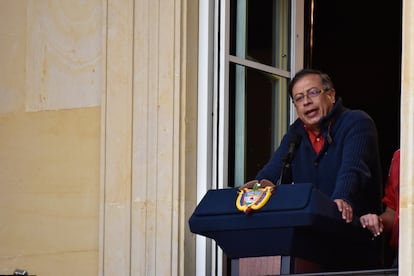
point(294, 142)
point(296, 139)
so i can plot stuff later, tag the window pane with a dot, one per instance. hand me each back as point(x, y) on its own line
point(260, 31)
point(258, 118)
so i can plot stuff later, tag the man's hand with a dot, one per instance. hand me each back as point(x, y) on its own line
point(346, 209)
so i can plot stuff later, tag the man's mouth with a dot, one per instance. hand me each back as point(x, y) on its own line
point(311, 113)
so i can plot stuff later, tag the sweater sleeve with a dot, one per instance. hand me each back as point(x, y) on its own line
point(360, 157)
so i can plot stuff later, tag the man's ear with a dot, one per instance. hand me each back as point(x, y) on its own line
point(332, 93)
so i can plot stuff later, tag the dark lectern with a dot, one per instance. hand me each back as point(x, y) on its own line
point(297, 221)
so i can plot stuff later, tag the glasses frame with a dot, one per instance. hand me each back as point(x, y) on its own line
point(308, 94)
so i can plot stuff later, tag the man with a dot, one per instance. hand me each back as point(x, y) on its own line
point(337, 149)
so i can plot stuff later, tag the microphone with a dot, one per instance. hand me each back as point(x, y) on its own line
point(286, 171)
point(294, 143)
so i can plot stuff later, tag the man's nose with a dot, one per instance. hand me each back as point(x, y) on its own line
point(307, 98)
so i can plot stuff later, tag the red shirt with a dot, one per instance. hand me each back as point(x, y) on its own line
point(392, 195)
point(316, 140)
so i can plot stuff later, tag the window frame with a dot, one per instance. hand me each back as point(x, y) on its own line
point(213, 102)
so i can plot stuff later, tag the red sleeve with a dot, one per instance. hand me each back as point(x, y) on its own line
point(392, 184)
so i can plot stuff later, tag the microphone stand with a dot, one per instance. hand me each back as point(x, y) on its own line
point(285, 172)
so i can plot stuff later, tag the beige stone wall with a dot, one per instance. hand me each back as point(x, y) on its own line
point(50, 90)
point(87, 187)
point(98, 136)
point(49, 197)
point(149, 143)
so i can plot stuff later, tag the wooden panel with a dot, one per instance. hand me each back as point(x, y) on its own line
point(256, 266)
point(274, 265)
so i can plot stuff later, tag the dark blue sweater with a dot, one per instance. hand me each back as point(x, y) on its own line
point(348, 166)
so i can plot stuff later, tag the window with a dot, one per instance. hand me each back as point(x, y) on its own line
point(260, 62)
point(248, 50)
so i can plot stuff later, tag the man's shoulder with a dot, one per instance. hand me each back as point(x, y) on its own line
point(355, 114)
point(355, 120)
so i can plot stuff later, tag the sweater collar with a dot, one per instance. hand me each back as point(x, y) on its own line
point(327, 120)
point(326, 123)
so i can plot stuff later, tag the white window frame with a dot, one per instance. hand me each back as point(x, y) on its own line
point(213, 102)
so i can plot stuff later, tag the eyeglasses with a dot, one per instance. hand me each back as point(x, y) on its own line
point(311, 93)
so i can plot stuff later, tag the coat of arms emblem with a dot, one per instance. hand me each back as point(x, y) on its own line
point(254, 195)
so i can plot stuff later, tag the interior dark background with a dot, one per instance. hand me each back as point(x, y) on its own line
point(358, 43)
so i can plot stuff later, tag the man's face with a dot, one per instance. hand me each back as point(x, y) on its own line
point(311, 100)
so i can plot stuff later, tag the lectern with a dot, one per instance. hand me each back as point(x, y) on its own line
point(298, 221)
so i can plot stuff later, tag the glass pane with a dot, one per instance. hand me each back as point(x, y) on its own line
point(260, 31)
point(258, 118)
